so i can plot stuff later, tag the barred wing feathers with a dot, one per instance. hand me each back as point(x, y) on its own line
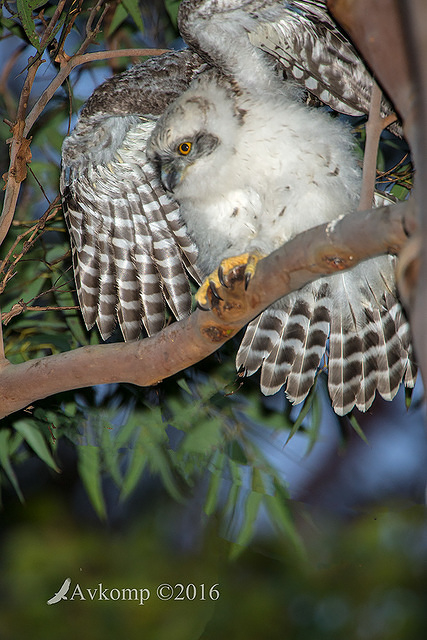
point(131, 251)
point(306, 41)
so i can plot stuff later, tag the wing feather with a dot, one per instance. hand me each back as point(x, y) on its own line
point(307, 42)
point(132, 254)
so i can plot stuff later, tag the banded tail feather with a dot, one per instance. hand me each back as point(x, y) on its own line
point(362, 339)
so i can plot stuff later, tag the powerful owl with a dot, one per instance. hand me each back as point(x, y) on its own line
point(209, 153)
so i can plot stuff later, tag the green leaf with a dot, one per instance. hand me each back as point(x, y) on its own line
point(316, 416)
point(36, 441)
point(400, 192)
point(277, 507)
point(25, 13)
point(111, 457)
point(203, 437)
point(236, 484)
point(358, 429)
point(172, 7)
point(303, 413)
point(236, 453)
point(137, 465)
point(161, 463)
point(252, 505)
point(258, 481)
point(133, 9)
point(182, 382)
point(268, 418)
point(89, 466)
point(215, 467)
point(119, 17)
point(10, 25)
point(6, 463)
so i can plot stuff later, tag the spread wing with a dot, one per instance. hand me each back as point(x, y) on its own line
point(306, 41)
point(131, 251)
point(300, 34)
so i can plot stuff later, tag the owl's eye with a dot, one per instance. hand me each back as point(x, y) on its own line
point(184, 148)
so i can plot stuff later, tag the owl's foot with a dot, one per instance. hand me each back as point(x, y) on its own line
point(228, 270)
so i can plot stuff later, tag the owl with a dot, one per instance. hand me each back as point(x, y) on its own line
point(198, 157)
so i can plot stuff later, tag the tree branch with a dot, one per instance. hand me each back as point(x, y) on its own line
point(19, 152)
point(391, 37)
point(323, 250)
point(374, 127)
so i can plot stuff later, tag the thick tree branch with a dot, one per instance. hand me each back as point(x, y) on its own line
point(323, 250)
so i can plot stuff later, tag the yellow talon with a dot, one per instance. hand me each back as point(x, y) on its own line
point(221, 277)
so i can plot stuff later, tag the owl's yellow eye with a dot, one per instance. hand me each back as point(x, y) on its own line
point(184, 148)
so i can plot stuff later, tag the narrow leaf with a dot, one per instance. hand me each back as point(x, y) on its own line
point(89, 465)
point(278, 509)
point(216, 467)
point(133, 474)
point(252, 505)
point(36, 441)
point(133, 8)
point(6, 464)
point(119, 17)
point(25, 13)
point(358, 429)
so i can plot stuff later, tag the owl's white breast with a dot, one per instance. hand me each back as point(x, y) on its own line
point(283, 170)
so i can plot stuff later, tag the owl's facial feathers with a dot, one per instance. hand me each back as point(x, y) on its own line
point(174, 161)
point(196, 125)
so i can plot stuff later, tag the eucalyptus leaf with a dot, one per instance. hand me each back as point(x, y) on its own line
point(90, 471)
point(36, 441)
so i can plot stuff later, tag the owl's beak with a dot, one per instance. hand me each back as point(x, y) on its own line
point(170, 177)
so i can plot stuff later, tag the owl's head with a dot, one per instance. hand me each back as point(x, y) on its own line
point(195, 136)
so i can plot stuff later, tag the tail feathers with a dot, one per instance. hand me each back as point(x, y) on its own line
point(369, 345)
point(260, 340)
point(345, 363)
point(288, 344)
point(369, 376)
point(288, 349)
point(308, 359)
point(391, 365)
point(404, 332)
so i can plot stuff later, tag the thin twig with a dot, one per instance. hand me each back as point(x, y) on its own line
point(2, 351)
point(374, 127)
point(21, 306)
point(51, 26)
point(35, 232)
point(15, 176)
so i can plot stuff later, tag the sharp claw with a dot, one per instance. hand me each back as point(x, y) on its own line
point(214, 290)
point(201, 307)
point(248, 277)
point(221, 277)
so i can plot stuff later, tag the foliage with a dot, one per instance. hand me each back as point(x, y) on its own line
point(194, 432)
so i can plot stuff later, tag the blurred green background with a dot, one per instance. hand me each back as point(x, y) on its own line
point(362, 577)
